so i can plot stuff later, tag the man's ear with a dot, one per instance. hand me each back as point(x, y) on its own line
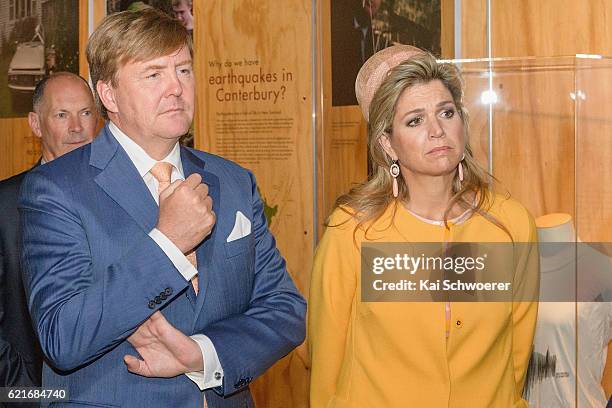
point(385, 143)
point(34, 122)
point(107, 96)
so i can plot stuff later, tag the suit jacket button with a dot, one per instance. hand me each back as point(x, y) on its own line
point(151, 305)
point(163, 296)
point(157, 300)
point(168, 291)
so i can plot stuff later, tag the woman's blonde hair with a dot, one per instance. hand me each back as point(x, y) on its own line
point(368, 201)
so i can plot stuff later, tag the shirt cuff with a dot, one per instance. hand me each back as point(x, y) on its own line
point(178, 259)
point(212, 375)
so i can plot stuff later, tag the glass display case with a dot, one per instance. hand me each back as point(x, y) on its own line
point(543, 129)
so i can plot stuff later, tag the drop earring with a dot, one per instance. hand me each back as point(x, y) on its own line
point(460, 168)
point(394, 170)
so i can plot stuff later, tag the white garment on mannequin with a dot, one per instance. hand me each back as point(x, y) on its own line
point(558, 355)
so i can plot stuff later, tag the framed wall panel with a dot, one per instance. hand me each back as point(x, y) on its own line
point(254, 106)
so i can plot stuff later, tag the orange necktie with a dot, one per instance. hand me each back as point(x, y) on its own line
point(162, 171)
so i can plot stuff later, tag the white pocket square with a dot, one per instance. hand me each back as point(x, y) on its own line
point(242, 227)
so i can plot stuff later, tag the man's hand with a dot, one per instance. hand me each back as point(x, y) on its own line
point(185, 212)
point(166, 351)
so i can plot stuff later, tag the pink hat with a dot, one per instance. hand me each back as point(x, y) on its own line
point(376, 69)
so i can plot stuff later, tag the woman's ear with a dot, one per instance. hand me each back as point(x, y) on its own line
point(385, 143)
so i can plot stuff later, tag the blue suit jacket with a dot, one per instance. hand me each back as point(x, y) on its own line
point(92, 274)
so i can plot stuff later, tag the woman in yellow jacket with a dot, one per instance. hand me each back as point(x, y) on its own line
point(425, 187)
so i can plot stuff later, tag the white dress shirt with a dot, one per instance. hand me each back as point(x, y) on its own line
point(212, 375)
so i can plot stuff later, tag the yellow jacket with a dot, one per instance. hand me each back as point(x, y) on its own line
point(397, 354)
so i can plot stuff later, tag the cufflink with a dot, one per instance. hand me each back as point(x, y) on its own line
point(217, 375)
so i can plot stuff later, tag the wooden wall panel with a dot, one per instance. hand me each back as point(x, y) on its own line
point(543, 148)
point(478, 114)
point(533, 138)
point(271, 137)
point(19, 148)
point(551, 27)
point(344, 153)
point(447, 32)
point(83, 36)
point(594, 150)
point(99, 12)
point(473, 29)
point(343, 140)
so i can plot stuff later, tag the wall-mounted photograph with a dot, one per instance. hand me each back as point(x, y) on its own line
point(37, 37)
point(359, 28)
point(180, 9)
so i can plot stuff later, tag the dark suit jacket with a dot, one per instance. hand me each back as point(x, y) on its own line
point(93, 275)
point(20, 355)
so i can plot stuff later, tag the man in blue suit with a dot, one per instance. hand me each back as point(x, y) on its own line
point(152, 278)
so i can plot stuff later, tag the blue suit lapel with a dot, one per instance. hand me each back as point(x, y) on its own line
point(121, 181)
point(205, 251)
